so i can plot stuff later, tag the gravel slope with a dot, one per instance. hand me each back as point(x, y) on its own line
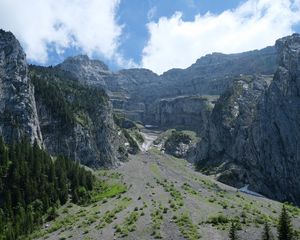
point(169, 187)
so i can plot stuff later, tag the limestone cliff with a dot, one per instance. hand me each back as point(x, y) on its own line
point(257, 142)
point(18, 115)
point(76, 120)
point(185, 112)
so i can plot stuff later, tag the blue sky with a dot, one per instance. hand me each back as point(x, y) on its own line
point(155, 34)
point(134, 15)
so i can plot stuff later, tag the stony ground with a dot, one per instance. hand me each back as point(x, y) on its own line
point(165, 199)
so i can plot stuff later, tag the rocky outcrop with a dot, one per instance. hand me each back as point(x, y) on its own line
point(180, 143)
point(185, 112)
point(228, 125)
point(86, 71)
point(76, 120)
point(274, 143)
point(18, 115)
point(259, 145)
point(123, 87)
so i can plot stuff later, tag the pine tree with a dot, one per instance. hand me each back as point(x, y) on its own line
point(2, 221)
point(232, 231)
point(267, 232)
point(29, 220)
point(32, 183)
point(284, 229)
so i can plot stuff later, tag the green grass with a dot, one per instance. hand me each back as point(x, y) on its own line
point(189, 189)
point(110, 216)
point(218, 219)
point(63, 223)
point(186, 227)
point(155, 170)
point(105, 190)
point(129, 224)
point(177, 200)
point(156, 219)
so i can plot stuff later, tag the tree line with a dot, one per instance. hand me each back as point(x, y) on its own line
point(33, 185)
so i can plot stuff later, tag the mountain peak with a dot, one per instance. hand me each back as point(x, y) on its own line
point(86, 70)
point(10, 45)
point(83, 60)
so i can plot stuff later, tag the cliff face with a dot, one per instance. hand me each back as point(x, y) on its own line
point(76, 120)
point(138, 92)
point(187, 112)
point(257, 143)
point(213, 73)
point(18, 115)
point(57, 108)
point(228, 126)
point(275, 133)
point(210, 75)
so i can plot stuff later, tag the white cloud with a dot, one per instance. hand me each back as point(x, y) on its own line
point(255, 24)
point(89, 25)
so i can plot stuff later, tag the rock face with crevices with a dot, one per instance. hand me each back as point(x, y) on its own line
point(186, 112)
point(58, 108)
point(77, 120)
point(18, 115)
point(85, 70)
point(256, 141)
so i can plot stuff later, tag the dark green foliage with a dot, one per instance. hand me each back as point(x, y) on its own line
point(32, 185)
point(220, 219)
point(134, 147)
point(284, 229)
point(52, 214)
point(233, 231)
point(123, 122)
point(175, 139)
point(64, 97)
point(267, 232)
point(53, 98)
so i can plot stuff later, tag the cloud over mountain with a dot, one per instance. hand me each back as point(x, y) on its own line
point(88, 25)
point(254, 24)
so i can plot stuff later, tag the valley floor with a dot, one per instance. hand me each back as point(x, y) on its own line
point(165, 199)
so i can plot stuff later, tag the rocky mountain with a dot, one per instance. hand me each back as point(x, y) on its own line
point(211, 74)
point(255, 140)
point(76, 120)
point(123, 87)
point(18, 115)
point(228, 127)
point(186, 112)
point(85, 70)
point(248, 136)
point(57, 108)
point(138, 93)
